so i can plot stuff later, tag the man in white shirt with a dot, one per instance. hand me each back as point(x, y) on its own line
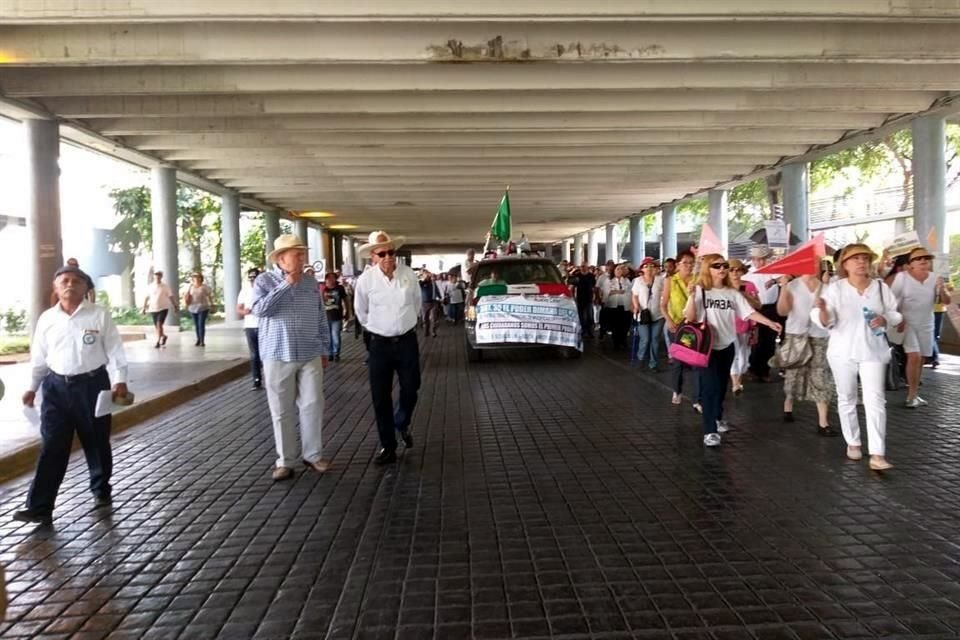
point(469, 266)
point(768, 291)
point(386, 302)
point(72, 345)
point(250, 328)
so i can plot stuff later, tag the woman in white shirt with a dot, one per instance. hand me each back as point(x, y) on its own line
point(918, 291)
point(746, 332)
point(615, 294)
point(812, 381)
point(714, 300)
point(855, 310)
point(198, 300)
point(646, 293)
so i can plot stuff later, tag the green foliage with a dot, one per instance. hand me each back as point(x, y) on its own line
point(134, 232)
point(11, 345)
point(253, 246)
point(103, 298)
point(955, 260)
point(14, 321)
point(194, 211)
point(130, 316)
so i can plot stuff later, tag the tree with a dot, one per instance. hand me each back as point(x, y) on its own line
point(253, 248)
point(194, 209)
point(134, 232)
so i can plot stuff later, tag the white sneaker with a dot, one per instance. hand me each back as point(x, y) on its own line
point(711, 440)
point(698, 407)
point(922, 402)
point(913, 404)
point(723, 426)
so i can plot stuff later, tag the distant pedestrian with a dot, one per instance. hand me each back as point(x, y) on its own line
point(647, 291)
point(430, 298)
point(584, 284)
point(72, 346)
point(335, 304)
point(294, 346)
point(250, 327)
point(768, 290)
point(676, 291)
point(469, 266)
point(386, 304)
point(456, 294)
point(855, 310)
point(159, 301)
point(615, 295)
point(198, 299)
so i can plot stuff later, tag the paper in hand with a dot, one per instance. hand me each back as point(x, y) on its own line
point(32, 414)
point(106, 405)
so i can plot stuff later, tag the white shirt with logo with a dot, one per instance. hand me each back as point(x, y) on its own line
point(723, 307)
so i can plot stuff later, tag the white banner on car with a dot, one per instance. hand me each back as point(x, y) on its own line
point(528, 320)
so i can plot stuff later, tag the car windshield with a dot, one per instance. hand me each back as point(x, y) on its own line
point(517, 272)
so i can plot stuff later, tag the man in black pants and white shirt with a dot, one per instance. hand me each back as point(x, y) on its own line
point(769, 290)
point(72, 345)
point(387, 303)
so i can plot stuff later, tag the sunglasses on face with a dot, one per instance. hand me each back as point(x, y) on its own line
point(385, 253)
point(720, 265)
point(924, 258)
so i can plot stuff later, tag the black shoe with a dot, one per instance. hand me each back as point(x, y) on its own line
point(103, 500)
point(385, 456)
point(336, 358)
point(157, 346)
point(788, 416)
point(33, 516)
point(827, 432)
point(257, 383)
point(197, 343)
point(407, 439)
point(163, 340)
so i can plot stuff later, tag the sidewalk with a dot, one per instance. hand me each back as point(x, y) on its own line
point(160, 378)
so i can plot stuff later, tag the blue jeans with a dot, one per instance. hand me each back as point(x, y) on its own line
point(648, 342)
point(253, 344)
point(714, 381)
point(400, 355)
point(336, 328)
point(937, 328)
point(67, 408)
point(200, 325)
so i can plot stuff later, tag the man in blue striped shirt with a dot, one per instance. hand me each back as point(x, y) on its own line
point(294, 343)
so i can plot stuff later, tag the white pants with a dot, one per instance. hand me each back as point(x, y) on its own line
point(872, 376)
point(741, 359)
point(292, 386)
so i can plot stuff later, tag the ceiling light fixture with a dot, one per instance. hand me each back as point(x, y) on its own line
point(316, 214)
point(341, 227)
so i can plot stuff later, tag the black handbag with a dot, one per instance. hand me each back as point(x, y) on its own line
point(645, 317)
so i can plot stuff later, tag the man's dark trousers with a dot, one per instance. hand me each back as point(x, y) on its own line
point(766, 343)
point(400, 355)
point(253, 344)
point(68, 406)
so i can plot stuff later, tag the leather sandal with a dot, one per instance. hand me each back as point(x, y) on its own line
point(320, 466)
point(282, 473)
point(879, 463)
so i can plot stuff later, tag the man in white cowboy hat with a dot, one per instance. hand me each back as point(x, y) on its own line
point(769, 290)
point(294, 344)
point(387, 302)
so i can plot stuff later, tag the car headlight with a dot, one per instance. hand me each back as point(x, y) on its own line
point(471, 313)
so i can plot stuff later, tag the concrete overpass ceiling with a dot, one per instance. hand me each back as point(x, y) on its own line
point(415, 115)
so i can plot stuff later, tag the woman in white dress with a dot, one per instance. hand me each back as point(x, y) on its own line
point(856, 310)
point(918, 290)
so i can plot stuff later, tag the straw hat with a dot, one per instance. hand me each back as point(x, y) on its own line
point(379, 240)
point(760, 251)
point(919, 253)
point(737, 264)
point(856, 249)
point(285, 242)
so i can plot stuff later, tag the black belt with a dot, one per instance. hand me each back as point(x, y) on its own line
point(80, 376)
point(377, 336)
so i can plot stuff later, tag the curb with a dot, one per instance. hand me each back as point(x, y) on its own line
point(22, 460)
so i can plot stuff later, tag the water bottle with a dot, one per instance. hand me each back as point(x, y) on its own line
point(868, 315)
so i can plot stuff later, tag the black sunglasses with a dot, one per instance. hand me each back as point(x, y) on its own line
point(917, 258)
point(719, 265)
point(385, 253)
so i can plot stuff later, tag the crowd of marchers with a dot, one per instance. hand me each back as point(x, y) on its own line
point(847, 330)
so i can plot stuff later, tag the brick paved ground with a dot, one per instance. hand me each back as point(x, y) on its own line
point(544, 498)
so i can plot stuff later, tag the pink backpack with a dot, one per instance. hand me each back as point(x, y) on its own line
point(693, 342)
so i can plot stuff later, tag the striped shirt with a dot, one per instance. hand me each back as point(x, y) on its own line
point(293, 323)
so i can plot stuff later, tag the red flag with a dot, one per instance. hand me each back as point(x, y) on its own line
point(803, 261)
point(709, 242)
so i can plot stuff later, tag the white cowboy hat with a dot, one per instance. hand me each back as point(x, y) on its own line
point(379, 240)
point(760, 251)
point(285, 242)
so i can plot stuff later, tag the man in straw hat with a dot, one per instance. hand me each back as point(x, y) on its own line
point(387, 301)
point(294, 344)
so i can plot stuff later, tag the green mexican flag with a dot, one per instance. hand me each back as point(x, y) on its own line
point(501, 222)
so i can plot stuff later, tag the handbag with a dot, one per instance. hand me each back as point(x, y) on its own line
point(793, 352)
point(646, 316)
point(693, 342)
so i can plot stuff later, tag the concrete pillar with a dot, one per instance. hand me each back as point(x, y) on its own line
point(272, 218)
point(638, 247)
point(929, 183)
point(300, 228)
point(612, 250)
point(352, 254)
point(796, 207)
point(566, 250)
point(578, 249)
point(43, 211)
point(230, 224)
point(668, 235)
point(593, 247)
point(313, 243)
point(718, 217)
point(163, 202)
